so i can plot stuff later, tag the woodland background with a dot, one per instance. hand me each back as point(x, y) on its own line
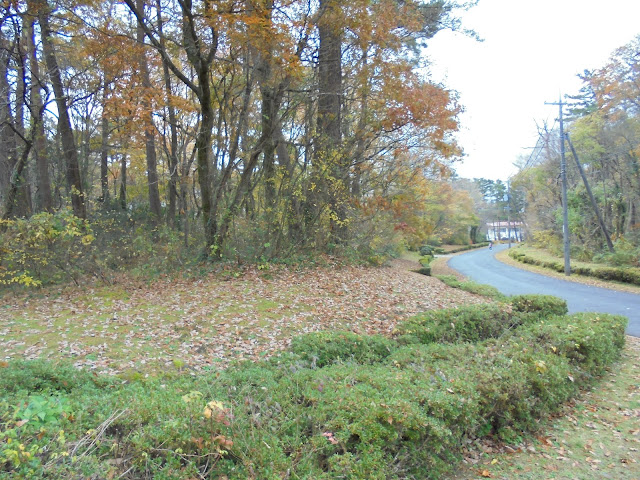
point(250, 131)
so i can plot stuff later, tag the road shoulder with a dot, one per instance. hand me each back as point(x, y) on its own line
point(503, 256)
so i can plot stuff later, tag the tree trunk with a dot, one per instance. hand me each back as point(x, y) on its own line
point(44, 198)
point(17, 180)
point(268, 115)
point(7, 136)
point(11, 164)
point(64, 122)
point(104, 150)
point(241, 189)
point(174, 177)
point(329, 157)
point(23, 207)
point(123, 183)
point(203, 145)
point(149, 137)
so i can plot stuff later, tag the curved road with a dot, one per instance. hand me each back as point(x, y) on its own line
point(482, 267)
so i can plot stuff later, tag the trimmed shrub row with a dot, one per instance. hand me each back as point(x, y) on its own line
point(544, 305)
point(465, 324)
point(472, 287)
point(336, 405)
point(618, 274)
point(469, 247)
point(431, 250)
point(325, 348)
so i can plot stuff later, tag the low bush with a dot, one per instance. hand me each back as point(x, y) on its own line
point(38, 376)
point(379, 422)
point(46, 248)
point(517, 386)
point(426, 260)
point(627, 254)
point(425, 271)
point(616, 274)
point(464, 324)
point(325, 348)
point(472, 287)
point(468, 247)
point(541, 304)
point(590, 341)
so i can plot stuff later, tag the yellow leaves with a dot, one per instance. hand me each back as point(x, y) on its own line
point(541, 366)
point(87, 239)
point(212, 406)
point(191, 396)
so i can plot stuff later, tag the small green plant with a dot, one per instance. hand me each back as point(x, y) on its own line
point(32, 432)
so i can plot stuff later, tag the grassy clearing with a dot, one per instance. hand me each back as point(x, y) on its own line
point(209, 321)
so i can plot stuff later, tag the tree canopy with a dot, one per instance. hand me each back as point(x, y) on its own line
point(297, 124)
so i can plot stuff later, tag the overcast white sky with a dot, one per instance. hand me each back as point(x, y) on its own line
point(532, 52)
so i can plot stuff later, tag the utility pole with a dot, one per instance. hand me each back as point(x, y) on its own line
point(509, 211)
point(563, 176)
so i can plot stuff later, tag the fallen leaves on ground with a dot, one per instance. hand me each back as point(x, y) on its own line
point(210, 321)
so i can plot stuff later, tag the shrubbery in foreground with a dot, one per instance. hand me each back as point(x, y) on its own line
point(337, 405)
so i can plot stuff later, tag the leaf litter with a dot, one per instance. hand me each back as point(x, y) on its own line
point(208, 322)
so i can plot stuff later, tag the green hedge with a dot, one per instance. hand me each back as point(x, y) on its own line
point(425, 271)
point(472, 287)
point(469, 247)
point(325, 348)
point(463, 324)
point(425, 260)
point(336, 405)
point(541, 304)
point(618, 274)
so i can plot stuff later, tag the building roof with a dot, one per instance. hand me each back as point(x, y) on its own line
point(504, 224)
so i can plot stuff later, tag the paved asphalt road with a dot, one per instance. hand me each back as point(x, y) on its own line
point(482, 267)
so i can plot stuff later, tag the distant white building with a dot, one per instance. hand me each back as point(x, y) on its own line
point(504, 230)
